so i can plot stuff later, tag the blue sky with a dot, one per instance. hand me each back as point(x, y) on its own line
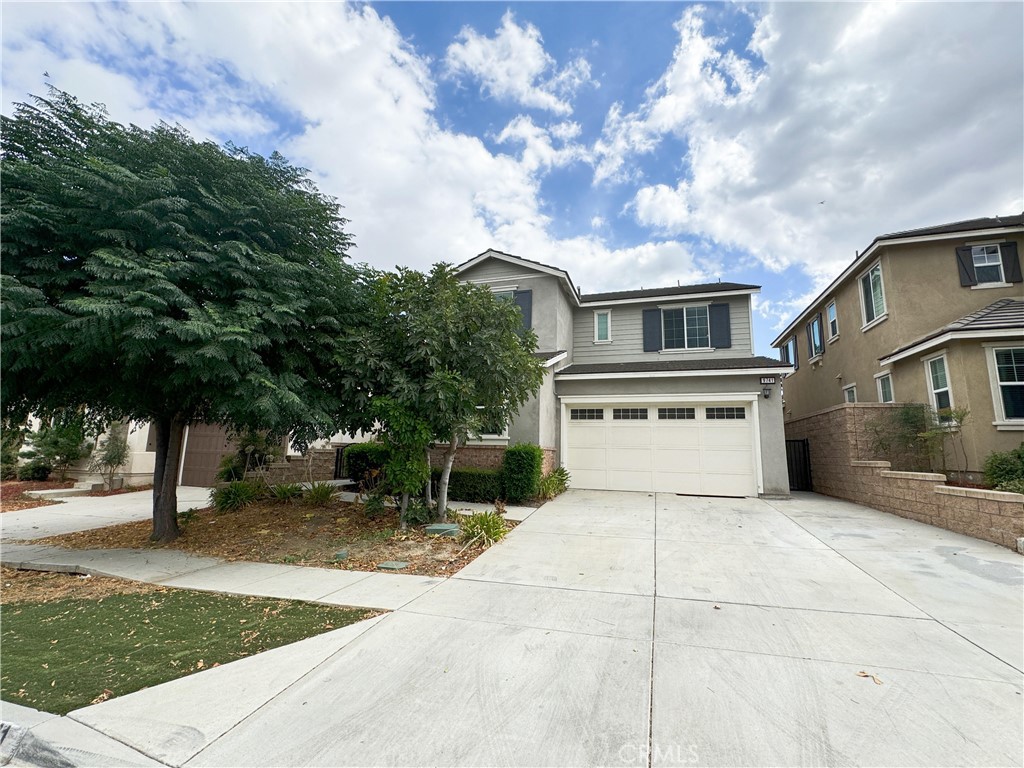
point(634, 144)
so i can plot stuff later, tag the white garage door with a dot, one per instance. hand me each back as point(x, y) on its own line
point(700, 449)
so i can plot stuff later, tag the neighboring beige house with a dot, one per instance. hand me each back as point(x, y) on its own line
point(933, 316)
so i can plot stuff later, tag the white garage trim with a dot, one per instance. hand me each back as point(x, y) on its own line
point(753, 398)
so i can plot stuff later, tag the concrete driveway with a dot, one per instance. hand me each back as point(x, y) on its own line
point(635, 629)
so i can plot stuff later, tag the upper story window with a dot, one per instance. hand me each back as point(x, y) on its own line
point(788, 353)
point(833, 321)
point(522, 299)
point(686, 328)
point(815, 345)
point(603, 326)
point(872, 294)
point(988, 265)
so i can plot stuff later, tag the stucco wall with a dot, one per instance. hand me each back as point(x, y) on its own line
point(627, 343)
point(769, 411)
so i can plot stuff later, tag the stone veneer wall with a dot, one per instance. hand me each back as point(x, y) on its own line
point(842, 466)
point(485, 457)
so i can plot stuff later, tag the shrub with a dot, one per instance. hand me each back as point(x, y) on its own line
point(36, 470)
point(903, 437)
point(554, 483)
point(360, 459)
point(286, 491)
point(1011, 486)
point(521, 470)
point(319, 493)
point(375, 504)
point(231, 468)
point(61, 443)
point(235, 495)
point(472, 484)
point(113, 453)
point(1004, 466)
point(484, 528)
point(418, 513)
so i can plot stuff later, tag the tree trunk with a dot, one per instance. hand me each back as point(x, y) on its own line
point(442, 485)
point(169, 434)
point(403, 523)
point(429, 495)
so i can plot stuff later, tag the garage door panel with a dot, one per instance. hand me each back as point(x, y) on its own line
point(584, 435)
point(629, 436)
point(589, 458)
point(631, 459)
point(677, 460)
point(595, 479)
point(678, 482)
point(623, 480)
point(677, 437)
point(726, 437)
point(731, 462)
point(727, 485)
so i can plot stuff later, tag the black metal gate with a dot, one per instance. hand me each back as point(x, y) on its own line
point(798, 459)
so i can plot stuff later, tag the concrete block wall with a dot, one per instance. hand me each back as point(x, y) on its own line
point(485, 457)
point(842, 466)
point(318, 464)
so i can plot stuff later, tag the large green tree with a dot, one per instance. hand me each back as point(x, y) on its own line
point(149, 276)
point(444, 360)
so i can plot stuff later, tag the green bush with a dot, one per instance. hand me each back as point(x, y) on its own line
point(36, 470)
point(286, 491)
point(231, 468)
point(554, 483)
point(1011, 486)
point(521, 470)
point(484, 528)
point(472, 484)
point(418, 513)
point(1004, 466)
point(361, 458)
point(319, 494)
point(235, 495)
point(8, 471)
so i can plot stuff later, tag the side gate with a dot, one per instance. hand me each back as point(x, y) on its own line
point(798, 460)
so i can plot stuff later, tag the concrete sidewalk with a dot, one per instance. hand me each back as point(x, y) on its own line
point(634, 629)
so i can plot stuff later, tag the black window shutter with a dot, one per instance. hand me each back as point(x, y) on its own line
point(796, 354)
point(965, 264)
point(524, 300)
point(721, 331)
point(652, 330)
point(810, 342)
point(821, 334)
point(1011, 263)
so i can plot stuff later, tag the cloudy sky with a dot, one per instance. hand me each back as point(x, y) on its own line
point(635, 145)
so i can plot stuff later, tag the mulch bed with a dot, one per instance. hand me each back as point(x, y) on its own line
point(13, 498)
point(294, 533)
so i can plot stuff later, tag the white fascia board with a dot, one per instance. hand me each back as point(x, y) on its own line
point(927, 344)
point(869, 254)
point(707, 397)
point(675, 374)
point(556, 359)
point(673, 298)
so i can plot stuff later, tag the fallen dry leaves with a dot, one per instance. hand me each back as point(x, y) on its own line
point(13, 498)
point(43, 587)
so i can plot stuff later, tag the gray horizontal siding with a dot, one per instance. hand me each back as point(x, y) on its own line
point(497, 272)
point(627, 333)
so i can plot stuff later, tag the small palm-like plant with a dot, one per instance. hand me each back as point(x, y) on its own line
point(319, 493)
point(235, 496)
point(485, 528)
point(286, 491)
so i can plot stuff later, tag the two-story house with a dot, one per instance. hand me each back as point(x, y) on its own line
point(647, 390)
point(932, 316)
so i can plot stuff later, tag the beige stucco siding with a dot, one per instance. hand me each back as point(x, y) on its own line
point(627, 343)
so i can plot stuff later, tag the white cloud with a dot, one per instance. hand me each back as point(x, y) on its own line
point(893, 115)
point(514, 66)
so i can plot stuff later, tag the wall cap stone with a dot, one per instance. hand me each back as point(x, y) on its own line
point(883, 464)
point(981, 493)
point(933, 476)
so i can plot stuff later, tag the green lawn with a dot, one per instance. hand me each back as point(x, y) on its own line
point(62, 655)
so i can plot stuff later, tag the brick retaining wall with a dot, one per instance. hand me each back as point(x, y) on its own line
point(842, 466)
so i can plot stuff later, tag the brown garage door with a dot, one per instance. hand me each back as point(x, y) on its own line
point(205, 446)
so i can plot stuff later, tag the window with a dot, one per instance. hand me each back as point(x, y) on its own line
point(629, 414)
point(872, 294)
point(725, 413)
point(1010, 376)
point(885, 388)
point(833, 321)
point(850, 393)
point(586, 414)
point(938, 383)
point(677, 413)
point(814, 343)
point(988, 264)
point(509, 294)
point(602, 326)
point(788, 353)
point(686, 328)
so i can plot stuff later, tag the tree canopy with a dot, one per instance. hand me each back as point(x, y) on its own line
point(149, 276)
point(437, 360)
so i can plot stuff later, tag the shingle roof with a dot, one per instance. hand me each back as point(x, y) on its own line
point(545, 356)
point(968, 225)
point(675, 290)
point(709, 364)
point(1005, 314)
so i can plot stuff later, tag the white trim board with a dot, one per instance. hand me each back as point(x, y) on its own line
point(677, 299)
point(921, 346)
point(674, 374)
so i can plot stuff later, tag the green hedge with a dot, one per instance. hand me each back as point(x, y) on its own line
point(471, 484)
point(521, 471)
point(1004, 467)
point(360, 458)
